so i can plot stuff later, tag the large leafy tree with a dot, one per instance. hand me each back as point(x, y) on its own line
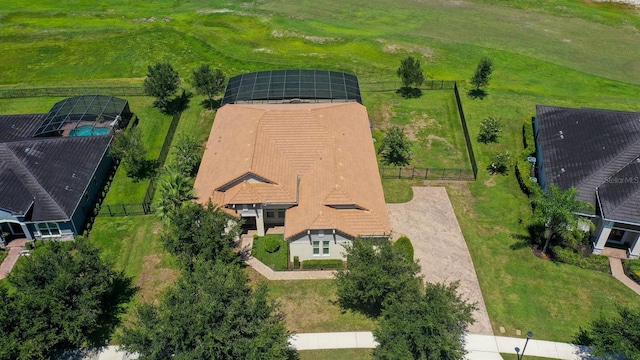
point(424, 326)
point(374, 274)
point(210, 313)
point(616, 337)
point(162, 82)
point(66, 297)
point(557, 209)
point(175, 189)
point(395, 147)
point(201, 232)
point(188, 154)
point(483, 73)
point(410, 72)
point(128, 147)
point(208, 82)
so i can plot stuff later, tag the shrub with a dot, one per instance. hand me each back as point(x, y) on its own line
point(632, 269)
point(591, 262)
point(296, 262)
point(323, 264)
point(490, 128)
point(403, 245)
point(499, 163)
point(271, 244)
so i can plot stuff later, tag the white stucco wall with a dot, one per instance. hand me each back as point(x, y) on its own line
point(302, 247)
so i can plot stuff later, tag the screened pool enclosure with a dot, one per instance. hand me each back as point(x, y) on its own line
point(86, 115)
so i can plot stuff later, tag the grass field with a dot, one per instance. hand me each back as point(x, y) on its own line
point(338, 354)
point(553, 52)
point(277, 260)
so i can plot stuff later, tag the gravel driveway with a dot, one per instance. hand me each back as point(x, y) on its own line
point(429, 221)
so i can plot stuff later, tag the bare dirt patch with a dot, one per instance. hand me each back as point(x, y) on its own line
point(154, 279)
point(395, 48)
point(312, 38)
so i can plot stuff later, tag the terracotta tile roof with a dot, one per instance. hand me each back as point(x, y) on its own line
point(319, 156)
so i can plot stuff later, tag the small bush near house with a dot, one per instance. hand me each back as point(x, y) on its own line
point(271, 244)
point(296, 262)
point(403, 244)
point(323, 264)
point(631, 268)
point(3, 254)
point(591, 262)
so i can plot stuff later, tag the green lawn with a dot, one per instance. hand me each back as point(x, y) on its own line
point(431, 122)
point(553, 52)
point(277, 260)
point(310, 306)
point(133, 244)
point(153, 126)
point(336, 354)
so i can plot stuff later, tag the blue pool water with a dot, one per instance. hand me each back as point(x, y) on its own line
point(89, 131)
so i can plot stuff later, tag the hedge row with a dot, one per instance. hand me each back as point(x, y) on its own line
point(591, 262)
point(323, 264)
point(522, 166)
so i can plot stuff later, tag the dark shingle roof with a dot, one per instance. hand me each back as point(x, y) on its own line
point(587, 148)
point(619, 196)
point(15, 197)
point(55, 171)
point(583, 147)
point(19, 127)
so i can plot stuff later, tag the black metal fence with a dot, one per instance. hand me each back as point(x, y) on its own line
point(395, 85)
point(146, 207)
point(465, 130)
point(426, 173)
point(8, 93)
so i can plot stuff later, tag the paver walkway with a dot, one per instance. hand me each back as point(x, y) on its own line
point(618, 273)
point(439, 246)
point(479, 347)
point(15, 247)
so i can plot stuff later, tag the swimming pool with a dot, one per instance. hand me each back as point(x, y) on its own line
point(89, 130)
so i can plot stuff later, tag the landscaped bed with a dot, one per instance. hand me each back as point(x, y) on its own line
point(272, 256)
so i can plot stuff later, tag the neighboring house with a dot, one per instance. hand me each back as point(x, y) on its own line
point(53, 165)
point(597, 152)
point(305, 163)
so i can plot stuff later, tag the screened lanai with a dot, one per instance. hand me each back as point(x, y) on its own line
point(290, 85)
point(85, 115)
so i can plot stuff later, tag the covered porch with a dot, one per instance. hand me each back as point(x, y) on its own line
point(611, 235)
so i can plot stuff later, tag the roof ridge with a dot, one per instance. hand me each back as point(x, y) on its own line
point(255, 141)
point(619, 155)
point(34, 181)
point(628, 198)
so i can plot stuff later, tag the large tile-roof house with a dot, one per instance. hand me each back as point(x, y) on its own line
point(308, 166)
point(597, 152)
point(53, 165)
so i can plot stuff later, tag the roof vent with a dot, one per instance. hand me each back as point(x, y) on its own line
point(75, 176)
point(27, 150)
point(67, 188)
point(562, 170)
point(13, 126)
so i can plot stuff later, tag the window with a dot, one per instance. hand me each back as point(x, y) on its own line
point(281, 213)
point(271, 214)
point(316, 248)
point(49, 229)
point(325, 247)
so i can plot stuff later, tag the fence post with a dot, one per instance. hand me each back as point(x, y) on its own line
point(459, 173)
point(426, 173)
point(399, 173)
point(124, 209)
point(413, 172)
point(109, 208)
point(441, 84)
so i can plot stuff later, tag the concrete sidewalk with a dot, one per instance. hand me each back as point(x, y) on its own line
point(480, 347)
point(15, 249)
point(618, 272)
